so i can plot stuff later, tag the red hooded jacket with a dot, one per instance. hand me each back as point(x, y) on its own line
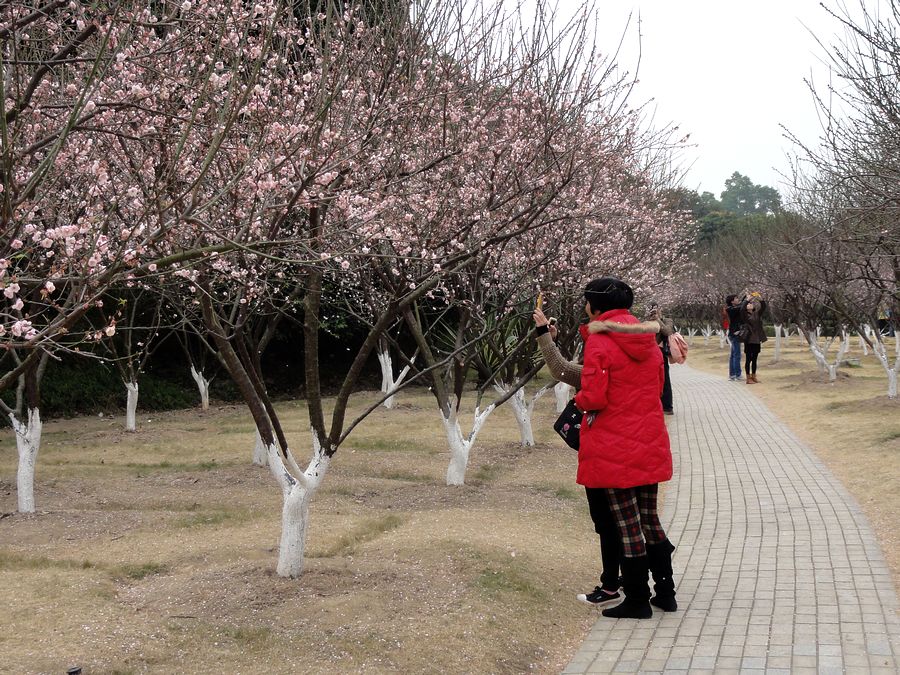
point(624, 443)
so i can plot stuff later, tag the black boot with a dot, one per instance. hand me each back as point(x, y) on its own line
point(637, 593)
point(659, 558)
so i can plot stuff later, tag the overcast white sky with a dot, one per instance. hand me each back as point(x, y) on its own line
point(728, 72)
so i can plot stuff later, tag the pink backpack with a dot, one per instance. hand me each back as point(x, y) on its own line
point(678, 348)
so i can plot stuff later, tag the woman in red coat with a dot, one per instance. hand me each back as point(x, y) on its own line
point(624, 451)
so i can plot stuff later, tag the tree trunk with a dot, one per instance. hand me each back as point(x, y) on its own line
point(388, 382)
point(387, 370)
point(294, 524)
point(131, 406)
point(723, 339)
point(817, 352)
point(777, 357)
point(260, 452)
point(707, 334)
point(564, 393)
point(691, 334)
point(295, 508)
point(28, 442)
point(891, 372)
point(459, 444)
point(202, 386)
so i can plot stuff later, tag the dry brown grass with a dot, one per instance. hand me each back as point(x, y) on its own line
point(850, 424)
point(155, 551)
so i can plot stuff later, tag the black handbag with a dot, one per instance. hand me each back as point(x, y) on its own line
point(568, 425)
point(742, 333)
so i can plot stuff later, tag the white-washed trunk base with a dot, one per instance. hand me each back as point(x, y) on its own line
point(294, 524)
point(817, 352)
point(723, 339)
point(777, 356)
point(821, 355)
point(28, 442)
point(260, 452)
point(388, 383)
point(523, 411)
point(707, 334)
point(564, 393)
point(297, 493)
point(460, 445)
point(891, 372)
point(202, 387)
point(131, 406)
point(691, 334)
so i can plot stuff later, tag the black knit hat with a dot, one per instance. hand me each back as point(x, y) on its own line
point(608, 293)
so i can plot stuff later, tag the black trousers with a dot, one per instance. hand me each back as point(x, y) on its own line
point(751, 352)
point(610, 539)
point(666, 397)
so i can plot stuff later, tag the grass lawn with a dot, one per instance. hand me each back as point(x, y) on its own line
point(155, 551)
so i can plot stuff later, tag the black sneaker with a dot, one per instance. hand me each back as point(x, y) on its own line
point(598, 597)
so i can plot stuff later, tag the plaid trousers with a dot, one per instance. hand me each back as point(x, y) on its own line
point(634, 510)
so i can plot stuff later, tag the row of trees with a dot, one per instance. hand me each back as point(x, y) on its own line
point(831, 259)
point(216, 170)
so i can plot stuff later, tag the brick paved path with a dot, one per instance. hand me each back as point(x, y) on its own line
point(777, 569)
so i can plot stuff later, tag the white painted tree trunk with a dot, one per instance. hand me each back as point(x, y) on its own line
point(564, 393)
point(460, 444)
point(691, 334)
point(817, 351)
point(777, 357)
point(131, 406)
point(297, 495)
point(523, 411)
point(294, 525)
point(260, 451)
point(891, 371)
point(723, 339)
point(202, 386)
point(388, 383)
point(821, 355)
point(707, 334)
point(28, 442)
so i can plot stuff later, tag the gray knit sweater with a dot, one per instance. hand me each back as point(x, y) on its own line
point(570, 372)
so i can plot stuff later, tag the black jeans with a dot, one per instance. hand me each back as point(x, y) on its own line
point(666, 397)
point(751, 351)
point(610, 540)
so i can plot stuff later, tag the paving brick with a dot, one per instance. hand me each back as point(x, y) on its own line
point(777, 569)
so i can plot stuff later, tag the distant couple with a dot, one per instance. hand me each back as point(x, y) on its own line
point(745, 326)
point(624, 452)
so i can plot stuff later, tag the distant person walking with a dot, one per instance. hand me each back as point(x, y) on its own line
point(733, 312)
point(752, 308)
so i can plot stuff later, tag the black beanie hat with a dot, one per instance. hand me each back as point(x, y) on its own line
point(608, 293)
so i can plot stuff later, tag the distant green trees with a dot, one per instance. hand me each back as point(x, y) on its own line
point(743, 203)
